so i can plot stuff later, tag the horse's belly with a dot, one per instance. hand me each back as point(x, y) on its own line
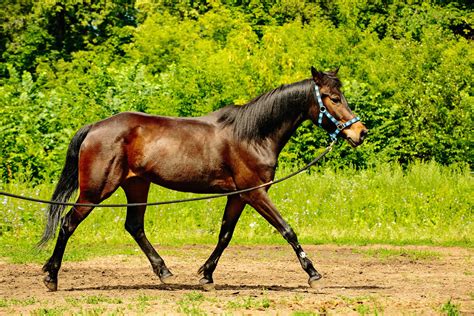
point(190, 174)
point(188, 180)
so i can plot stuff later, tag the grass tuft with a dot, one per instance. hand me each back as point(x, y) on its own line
point(450, 309)
point(190, 304)
point(250, 303)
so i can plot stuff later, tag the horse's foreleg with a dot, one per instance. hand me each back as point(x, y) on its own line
point(264, 206)
point(136, 190)
point(69, 224)
point(232, 212)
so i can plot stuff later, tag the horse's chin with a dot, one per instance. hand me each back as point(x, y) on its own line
point(352, 142)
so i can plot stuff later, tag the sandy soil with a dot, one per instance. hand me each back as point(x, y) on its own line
point(253, 280)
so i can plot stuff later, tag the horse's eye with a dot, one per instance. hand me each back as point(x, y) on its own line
point(336, 100)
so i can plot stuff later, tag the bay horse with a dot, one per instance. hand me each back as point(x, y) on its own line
point(235, 147)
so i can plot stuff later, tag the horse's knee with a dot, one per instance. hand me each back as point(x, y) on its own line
point(136, 230)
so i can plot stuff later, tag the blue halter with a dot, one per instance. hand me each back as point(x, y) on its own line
point(323, 111)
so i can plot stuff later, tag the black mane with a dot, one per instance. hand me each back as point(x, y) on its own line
point(259, 118)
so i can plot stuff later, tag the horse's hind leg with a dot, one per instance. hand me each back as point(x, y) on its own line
point(69, 223)
point(136, 190)
point(95, 187)
point(233, 209)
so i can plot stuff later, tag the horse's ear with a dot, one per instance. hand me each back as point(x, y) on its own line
point(317, 75)
point(334, 72)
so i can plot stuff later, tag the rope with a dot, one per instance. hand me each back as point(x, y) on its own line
point(207, 197)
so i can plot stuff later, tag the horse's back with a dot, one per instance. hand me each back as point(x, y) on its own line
point(186, 154)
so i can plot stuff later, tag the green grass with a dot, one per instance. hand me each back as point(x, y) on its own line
point(143, 302)
point(190, 304)
point(425, 204)
point(4, 302)
point(363, 305)
point(93, 300)
point(249, 303)
point(55, 311)
point(450, 309)
point(410, 254)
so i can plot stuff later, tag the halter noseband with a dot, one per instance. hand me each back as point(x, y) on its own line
point(323, 111)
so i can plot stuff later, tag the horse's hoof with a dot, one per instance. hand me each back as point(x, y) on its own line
point(207, 285)
point(51, 284)
point(167, 277)
point(313, 280)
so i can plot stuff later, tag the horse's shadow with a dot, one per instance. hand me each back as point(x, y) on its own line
point(224, 287)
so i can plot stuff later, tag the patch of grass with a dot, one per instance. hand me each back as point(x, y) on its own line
point(393, 253)
point(17, 302)
point(450, 309)
point(304, 313)
point(55, 311)
point(93, 299)
point(96, 311)
point(190, 304)
point(102, 299)
point(143, 301)
point(363, 309)
point(363, 305)
point(117, 312)
point(250, 303)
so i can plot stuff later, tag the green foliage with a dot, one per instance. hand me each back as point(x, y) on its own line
point(406, 68)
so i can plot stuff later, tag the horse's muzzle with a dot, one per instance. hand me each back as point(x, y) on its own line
point(355, 138)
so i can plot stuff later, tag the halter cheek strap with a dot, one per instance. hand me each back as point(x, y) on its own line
point(324, 112)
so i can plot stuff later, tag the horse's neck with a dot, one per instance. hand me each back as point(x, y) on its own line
point(270, 119)
point(284, 128)
point(283, 133)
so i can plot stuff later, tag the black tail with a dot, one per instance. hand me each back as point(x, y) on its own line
point(66, 187)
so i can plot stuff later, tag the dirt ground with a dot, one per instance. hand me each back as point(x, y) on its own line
point(253, 280)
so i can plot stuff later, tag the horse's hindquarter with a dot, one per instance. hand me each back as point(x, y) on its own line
point(180, 154)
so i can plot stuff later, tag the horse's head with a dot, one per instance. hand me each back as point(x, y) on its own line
point(330, 109)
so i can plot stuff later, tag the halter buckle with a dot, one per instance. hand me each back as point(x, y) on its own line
point(340, 126)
